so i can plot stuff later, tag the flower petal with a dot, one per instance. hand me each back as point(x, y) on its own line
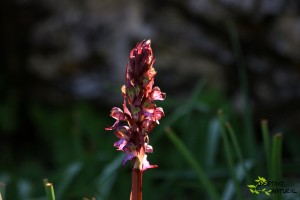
point(156, 94)
point(128, 157)
point(123, 90)
point(120, 143)
point(122, 131)
point(148, 125)
point(158, 114)
point(117, 114)
point(109, 128)
point(148, 148)
point(126, 111)
point(146, 164)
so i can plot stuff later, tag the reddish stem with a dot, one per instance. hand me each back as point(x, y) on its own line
point(136, 187)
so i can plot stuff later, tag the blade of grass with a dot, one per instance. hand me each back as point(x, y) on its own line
point(276, 157)
point(237, 148)
point(266, 138)
point(70, 173)
point(276, 161)
point(108, 176)
point(2, 190)
point(228, 154)
point(185, 108)
point(212, 142)
point(241, 173)
point(248, 124)
point(204, 180)
point(49, 190)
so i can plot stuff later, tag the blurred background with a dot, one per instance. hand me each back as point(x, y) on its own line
point(63, 63)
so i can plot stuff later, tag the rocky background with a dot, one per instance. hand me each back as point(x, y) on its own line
point(61, 51)
point(57, 50)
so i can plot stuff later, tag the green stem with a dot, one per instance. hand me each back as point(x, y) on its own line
point(237, 148)
point(276, 160)
point(241, 65)
point(276, 156)
point(266, 138)
point(49, 190)
point(228, 153)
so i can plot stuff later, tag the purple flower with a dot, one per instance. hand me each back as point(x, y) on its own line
point(140, 114)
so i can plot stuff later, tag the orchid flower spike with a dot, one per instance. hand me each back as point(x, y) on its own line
point(140, 114)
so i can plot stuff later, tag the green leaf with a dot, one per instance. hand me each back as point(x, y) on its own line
point(105, 181)
point(257, 192)
point(70, 174)
point(252, 191)
point(202, 176)
point(251, 186)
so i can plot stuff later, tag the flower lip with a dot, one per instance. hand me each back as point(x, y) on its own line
point(117, 114)
point(156, 94)
point(120, 144)
point(146, 164)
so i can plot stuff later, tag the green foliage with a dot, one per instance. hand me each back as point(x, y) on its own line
point(194, 164)
point(203, 155)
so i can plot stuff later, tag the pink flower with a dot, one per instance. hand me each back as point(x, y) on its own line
point(140, 114)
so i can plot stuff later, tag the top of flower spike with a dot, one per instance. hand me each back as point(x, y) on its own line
point(141, 61)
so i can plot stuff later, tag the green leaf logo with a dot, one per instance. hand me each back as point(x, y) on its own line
point(260, 181)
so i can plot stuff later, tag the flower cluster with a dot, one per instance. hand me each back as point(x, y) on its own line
point(140, 114)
